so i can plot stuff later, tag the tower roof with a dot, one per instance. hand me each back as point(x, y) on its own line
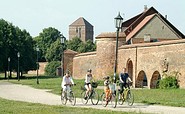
point(80, 21)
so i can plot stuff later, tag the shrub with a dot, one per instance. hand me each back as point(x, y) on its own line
point(51, 67)
point(112, 77)
point(169, 81)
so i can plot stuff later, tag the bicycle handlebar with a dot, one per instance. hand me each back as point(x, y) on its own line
point(70, 84)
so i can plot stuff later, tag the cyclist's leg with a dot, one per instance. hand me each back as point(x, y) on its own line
point(106, 93)
point(65, 91)
point(121, 89)
point(87, 90)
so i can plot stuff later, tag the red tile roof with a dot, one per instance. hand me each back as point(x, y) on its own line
point(133, 25)
point(139, 26)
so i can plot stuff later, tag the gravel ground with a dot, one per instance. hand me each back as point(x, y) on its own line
point(28, 94)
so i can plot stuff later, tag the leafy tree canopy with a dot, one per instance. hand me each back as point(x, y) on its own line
point(78, 45)
point(46, 38)
point(55, 51)
point(12, 41)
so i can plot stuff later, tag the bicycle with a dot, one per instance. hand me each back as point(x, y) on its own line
point(68, 95)
point(112, 98)
point(93, 95)
point(127, 96)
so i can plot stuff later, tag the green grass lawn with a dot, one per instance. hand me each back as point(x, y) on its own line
point(17, 107)
point(170, 97)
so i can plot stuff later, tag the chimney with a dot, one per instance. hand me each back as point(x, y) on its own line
point(145, 8)
point(166, 17)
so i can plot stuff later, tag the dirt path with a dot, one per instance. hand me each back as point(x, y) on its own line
point(28, 94)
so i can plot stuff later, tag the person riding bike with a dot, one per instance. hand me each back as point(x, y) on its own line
point(88, 85)
point(124, 80)
point(107, 88)
point(67, 81)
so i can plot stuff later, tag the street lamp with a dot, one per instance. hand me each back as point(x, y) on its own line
point(18, 56)
point(37, 49)
point(62, 42)
point(118, 21)
point(8, 67)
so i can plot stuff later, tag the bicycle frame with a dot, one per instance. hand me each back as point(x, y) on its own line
point(93, 95)
point(126, 96)
point(68, 95)
point(112, 97)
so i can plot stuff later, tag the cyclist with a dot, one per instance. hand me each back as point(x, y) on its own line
point(124, 80)
point(107, 88)
point(88, 85)
point(67, 81)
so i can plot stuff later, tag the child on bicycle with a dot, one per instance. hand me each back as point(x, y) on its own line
point(67, 81)
point(107, 88)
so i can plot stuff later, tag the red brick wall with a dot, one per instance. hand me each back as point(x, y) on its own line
point(145, 57)
point(83, 62)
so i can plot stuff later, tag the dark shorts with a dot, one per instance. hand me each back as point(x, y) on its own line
point(87, 83)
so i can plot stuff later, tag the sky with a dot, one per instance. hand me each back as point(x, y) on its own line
point(35, 15)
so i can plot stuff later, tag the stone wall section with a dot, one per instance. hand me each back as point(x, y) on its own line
point(83, 62)
point(142, 60)
point(41, 71)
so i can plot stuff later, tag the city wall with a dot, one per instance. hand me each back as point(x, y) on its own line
point(144, 61)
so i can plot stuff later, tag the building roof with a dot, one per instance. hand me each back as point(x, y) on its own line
point(111, 35)
point(81, 21)
point(135, 24)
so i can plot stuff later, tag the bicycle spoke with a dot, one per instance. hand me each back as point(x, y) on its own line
point(113, 101)
point(94, 98)
point(83, 94)
point(120, 99)
point(72, 99)
point(103, 100)
point(63, 98)
point(130, 98)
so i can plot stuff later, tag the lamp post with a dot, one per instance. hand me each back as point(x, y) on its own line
point(18, 56)
point(37, 49)
point(118, 21)
point(8, 67)
point(62, 42)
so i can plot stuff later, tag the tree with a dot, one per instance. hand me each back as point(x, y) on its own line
point(88, 46)
point(51, 67)
point(74, 44)
point(55, 51)
point(46, 38)
point(13, 40)
point(78, 45)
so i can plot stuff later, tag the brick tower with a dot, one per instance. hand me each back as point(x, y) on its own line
point(81, 28)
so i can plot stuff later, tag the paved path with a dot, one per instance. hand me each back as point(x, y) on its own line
point(28, 94)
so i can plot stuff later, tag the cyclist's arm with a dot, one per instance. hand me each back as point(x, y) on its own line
point(63, 82)
point(120, 78)
point(129, 80)
point(72, 82)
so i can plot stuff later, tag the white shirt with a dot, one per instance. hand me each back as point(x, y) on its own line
point(88, 78)
point(66, 80)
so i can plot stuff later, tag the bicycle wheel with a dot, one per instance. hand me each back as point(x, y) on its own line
point(120, 99)
point(63, 98)
point(103, 100)
point(130, 98)
point(113, 101)
point(84, 101)
point(72, 98)
point(95, 98)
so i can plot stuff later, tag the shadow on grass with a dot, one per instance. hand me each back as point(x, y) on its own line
point(150, 103)
point(29, 77)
